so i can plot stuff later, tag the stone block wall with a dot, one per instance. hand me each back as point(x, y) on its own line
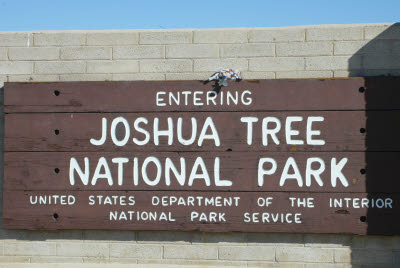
point(324, 51)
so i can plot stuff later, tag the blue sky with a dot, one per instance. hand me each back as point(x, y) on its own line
point(22, 15)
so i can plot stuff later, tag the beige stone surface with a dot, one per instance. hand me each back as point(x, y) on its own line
point(276, 35)
point(247, 50)
point(60, 67)
point(192, 51)
point(296, 49)
point(16, 67)
point(105, 38)
point(139, 52)
point(3, 53)
point(247, 253)
point(14, 39)
point(59, 39)
point(118, 250)
point(276, 64)
point(335, 33)
point(166, 37)
point(166, 66)
point(86, 53)
point(196, 252)
point(33, 53)
point(220, 36)
point(212, 65)
point(111, 67)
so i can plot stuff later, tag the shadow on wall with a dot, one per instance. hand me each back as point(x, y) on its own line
point(380, 57)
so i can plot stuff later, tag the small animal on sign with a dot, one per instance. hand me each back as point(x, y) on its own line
point(224, 74)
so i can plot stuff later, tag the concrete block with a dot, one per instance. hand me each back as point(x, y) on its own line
point(165, 237)
point(202, 76)
point(59, 67)
point(109, 235)
point(85, 77)
point(335, 33)
point(139, 77)
point(396, 239)
point(382, 242)
point(139, 52)
point(3, 53)
point(59, 39)
point(84, 265)
point(277, 35)
point(275, 239)
point(55, 259)
point(3, 78)
point(124, 250)
point(381, 62)
point(341, 74)
point(326, 265)
point(86, 53)
point(77, 249)
point(367, 72)
point(247, 50)
point(258, 75)
point(276, 64)
point(111, 67)
point(192, 51)
point(304, 254)
point(212, 65)
point(112, 38)
point(33, 78)
point(367, 47)
point(191, 263)
point(96, 260)
point(342, 255)
point(166, 37)
point(378, 265)
point(167, 66)
point(304, 74)
point(371, 256)
point(15, 39)
point(332, 63)
point(358, 241)
point(396, 257)
point(383, 32)
point(233, 238)
point(203, 252)
point(327, 240)
point(15, 259)
point(55, 235)
point(304, 49)
point(29, 248)
point(123, 260)
point(247, 253)
point(51, 235)
point(274, 264)
point(34, 53)
point(348, 47)
point(19, 67)
point(218, 36)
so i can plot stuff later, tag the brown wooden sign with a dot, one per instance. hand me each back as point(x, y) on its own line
point(312, 155)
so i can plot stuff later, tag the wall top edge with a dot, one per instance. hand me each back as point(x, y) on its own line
point(386, 24)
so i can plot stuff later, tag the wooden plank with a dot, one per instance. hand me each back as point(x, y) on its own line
point(341, 131)
point(48, 124)
point(50, 171)
point(318, 218)
point(140, 96)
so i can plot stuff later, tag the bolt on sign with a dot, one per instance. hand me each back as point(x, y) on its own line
point(309, 155)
